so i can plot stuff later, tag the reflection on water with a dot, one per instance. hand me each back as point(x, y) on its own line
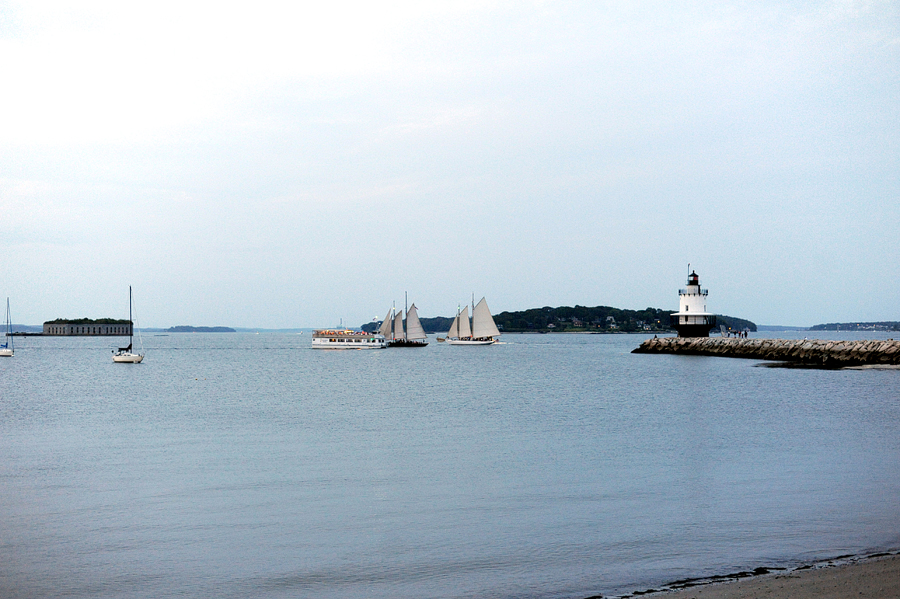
point(548, 466)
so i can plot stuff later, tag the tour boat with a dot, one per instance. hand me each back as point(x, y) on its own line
point(6, 348)
point(482, 332)
point(347, 339)
point(124, 354)
point(392, 329)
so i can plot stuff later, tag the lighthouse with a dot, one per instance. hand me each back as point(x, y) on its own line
point(692, 319)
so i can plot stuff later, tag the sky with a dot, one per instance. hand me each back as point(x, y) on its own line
point(303, 164)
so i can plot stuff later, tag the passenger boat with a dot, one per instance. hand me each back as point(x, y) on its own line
point(347, 339)
point(6, 348)
point(124, 355)
point(483, 330)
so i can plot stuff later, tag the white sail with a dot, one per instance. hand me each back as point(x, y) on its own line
point(398, 325)
point(454, 327)
point(414, 328)
point(464, 330)
point(385, 328)
point(482, 321)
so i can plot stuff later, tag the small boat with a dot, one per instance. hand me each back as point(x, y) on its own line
point(392, 329)
point(483, 330)
point(6, 348)
point(124, 354)
point(347, 339)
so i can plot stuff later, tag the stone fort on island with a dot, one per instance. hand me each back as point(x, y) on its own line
point(89, 328)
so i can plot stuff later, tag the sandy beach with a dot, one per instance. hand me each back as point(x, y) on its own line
point(874, 577)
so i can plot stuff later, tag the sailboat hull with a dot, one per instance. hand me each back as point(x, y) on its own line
point(128, 358)
point(407, 343)
point(6, 353)
point(471, 341)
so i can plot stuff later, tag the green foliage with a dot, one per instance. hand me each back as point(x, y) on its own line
point(190, 329)
point(735, 324)
point(582, 318)
point(889, 325)
point(88, 321)
point(438, 324)
point(601, 319)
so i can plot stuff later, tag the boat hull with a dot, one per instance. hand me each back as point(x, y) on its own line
point(332, 346)
point(347, 339)
point(128, 358)
point(7, 353)
point(471, 341)
point(407, 343)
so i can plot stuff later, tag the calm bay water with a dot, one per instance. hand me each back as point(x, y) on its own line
point(240, 465)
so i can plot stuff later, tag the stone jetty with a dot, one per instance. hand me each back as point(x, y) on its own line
point(810, 352)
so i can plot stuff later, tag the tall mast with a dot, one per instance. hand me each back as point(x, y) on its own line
point(406, 311)
point(130, 322)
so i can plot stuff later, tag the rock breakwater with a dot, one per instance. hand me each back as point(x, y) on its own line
point(812, 352)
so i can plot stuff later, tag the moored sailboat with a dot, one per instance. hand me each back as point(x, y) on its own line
point(125, 354)
point(483, 330)
point(6, 348)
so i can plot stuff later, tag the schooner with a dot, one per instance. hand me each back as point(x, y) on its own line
point(483, 330)
point(392, 329)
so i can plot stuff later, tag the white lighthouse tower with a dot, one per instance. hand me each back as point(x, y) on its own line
point(692, 319)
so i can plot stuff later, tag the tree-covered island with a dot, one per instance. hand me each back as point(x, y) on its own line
point(190, 329)
point(888, 325)
point(89, 321)
point(579, 319)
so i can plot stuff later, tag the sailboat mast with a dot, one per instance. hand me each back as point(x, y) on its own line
point(406, 311)
point(130, 322)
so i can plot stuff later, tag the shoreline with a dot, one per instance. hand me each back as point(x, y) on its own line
point(874, 575)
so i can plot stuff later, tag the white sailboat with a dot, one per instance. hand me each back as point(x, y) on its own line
point(482, 332)
point(124, 354)
point(6, 348)
point(392, 329)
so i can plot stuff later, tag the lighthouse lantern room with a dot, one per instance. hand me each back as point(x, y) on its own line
point(692, 319)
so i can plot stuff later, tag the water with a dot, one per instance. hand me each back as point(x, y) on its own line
point(240, 465)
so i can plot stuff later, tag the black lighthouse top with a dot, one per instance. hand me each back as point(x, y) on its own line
point(693, 279)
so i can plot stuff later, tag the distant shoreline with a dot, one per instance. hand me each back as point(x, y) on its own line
point(191, 329)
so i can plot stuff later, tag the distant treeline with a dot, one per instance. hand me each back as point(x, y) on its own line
point(890, 325)
point(88, 321)
point(603, 319)
point(187, 329)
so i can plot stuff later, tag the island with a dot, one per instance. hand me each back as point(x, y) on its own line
point(890, 325)
point(189, 329)
point(579, 319)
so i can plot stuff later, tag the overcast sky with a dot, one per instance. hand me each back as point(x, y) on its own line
point(274, 164)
